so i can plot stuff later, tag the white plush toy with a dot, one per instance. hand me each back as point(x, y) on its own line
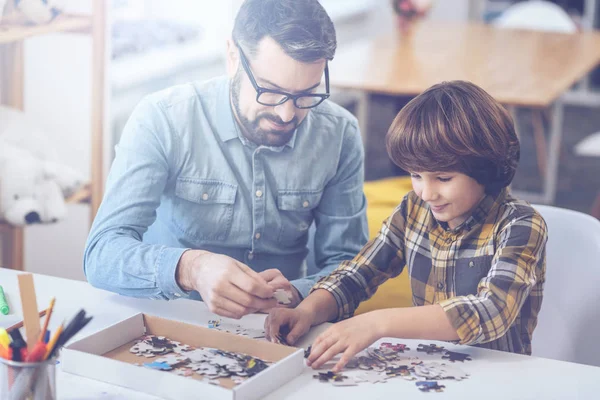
point(33, 184)
point(34, 11)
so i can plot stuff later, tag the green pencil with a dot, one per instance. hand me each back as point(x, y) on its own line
point(3, 304)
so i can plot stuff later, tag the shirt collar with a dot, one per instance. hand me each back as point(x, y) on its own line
point(227, 126)
point(483, 209)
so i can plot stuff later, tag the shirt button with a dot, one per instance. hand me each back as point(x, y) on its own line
point(440, 285)
point(259, 193)
point(257, 236)
point(205, 196)
point(250, 256)
point(305, 204)
point(176, 295)
point(471, 264)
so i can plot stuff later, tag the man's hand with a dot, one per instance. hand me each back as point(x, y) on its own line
point(276, 280)
point(296, 321)
point(228, 287)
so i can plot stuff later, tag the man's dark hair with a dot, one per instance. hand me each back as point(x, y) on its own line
point(301, 27)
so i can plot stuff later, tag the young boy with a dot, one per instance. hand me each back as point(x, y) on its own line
point(475, 254)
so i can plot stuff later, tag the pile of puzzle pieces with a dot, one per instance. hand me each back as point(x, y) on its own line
point(379, 364)
point(237, 329)
point(187, 360)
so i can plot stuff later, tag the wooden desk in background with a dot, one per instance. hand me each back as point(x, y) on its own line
point(519, 68)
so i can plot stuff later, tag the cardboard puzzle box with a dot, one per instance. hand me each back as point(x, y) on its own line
point(111, 356)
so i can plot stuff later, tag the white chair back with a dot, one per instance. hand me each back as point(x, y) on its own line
point(536, 15)
point(589, 146)
point(569, 322)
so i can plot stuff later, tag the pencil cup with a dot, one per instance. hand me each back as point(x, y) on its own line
point(27, 381)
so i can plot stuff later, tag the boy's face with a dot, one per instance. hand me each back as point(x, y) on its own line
point(273, 69)
point(451, 196)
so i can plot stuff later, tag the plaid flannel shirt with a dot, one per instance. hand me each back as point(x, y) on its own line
point(487, 274)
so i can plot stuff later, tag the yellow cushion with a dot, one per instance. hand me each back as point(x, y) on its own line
point(383, 196)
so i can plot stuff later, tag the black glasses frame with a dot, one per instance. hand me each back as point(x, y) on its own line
point(287, 96)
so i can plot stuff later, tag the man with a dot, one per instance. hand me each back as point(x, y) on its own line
point(215, 185)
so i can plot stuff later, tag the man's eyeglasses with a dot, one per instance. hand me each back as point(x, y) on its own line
point(270, 97)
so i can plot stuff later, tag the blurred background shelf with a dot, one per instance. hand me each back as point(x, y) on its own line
point(13, 30)
point(13, 33)
point(83, 195)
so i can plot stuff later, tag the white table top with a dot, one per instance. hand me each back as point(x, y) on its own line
point(495, 374)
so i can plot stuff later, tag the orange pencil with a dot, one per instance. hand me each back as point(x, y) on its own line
point(53, 341)
point(48, 315)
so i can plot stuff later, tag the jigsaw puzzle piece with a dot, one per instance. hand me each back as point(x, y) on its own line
point(428, 386)
point(453, 356)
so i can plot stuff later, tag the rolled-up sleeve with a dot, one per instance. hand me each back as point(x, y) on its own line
point(518, 263)
point(380, 259)
point(115, 257)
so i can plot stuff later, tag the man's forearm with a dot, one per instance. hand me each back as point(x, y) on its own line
point(123, 265)
point(186, 268)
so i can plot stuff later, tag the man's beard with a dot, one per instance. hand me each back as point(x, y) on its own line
point(252, 130)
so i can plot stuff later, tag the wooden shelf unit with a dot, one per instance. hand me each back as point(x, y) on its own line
point(83, 195)
point(14, 31)
point(12, 34)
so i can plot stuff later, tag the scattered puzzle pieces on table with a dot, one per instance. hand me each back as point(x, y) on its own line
point(236, 329)
point(401, 370)
point(392, 361)
point(431, 348)
point(329, 376)
point(398, 347)
point(428, 386)
point(454, 356)
point(371, 377)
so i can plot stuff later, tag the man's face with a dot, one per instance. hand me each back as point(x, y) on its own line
point(272, 69)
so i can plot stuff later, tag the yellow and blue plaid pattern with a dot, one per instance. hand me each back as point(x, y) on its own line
point(487, 274)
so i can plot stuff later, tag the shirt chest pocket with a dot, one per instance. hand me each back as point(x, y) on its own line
point(203, 208)
point(295, 210)
point(469, 272)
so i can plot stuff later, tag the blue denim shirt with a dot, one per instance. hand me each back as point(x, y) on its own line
point(185, 178)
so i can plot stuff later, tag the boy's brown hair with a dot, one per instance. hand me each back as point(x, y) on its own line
point(456, 126)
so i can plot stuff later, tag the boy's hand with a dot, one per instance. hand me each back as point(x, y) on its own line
point(348, 337)
point(296, 321)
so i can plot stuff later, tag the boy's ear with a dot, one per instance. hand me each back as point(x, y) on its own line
point(233, 58)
